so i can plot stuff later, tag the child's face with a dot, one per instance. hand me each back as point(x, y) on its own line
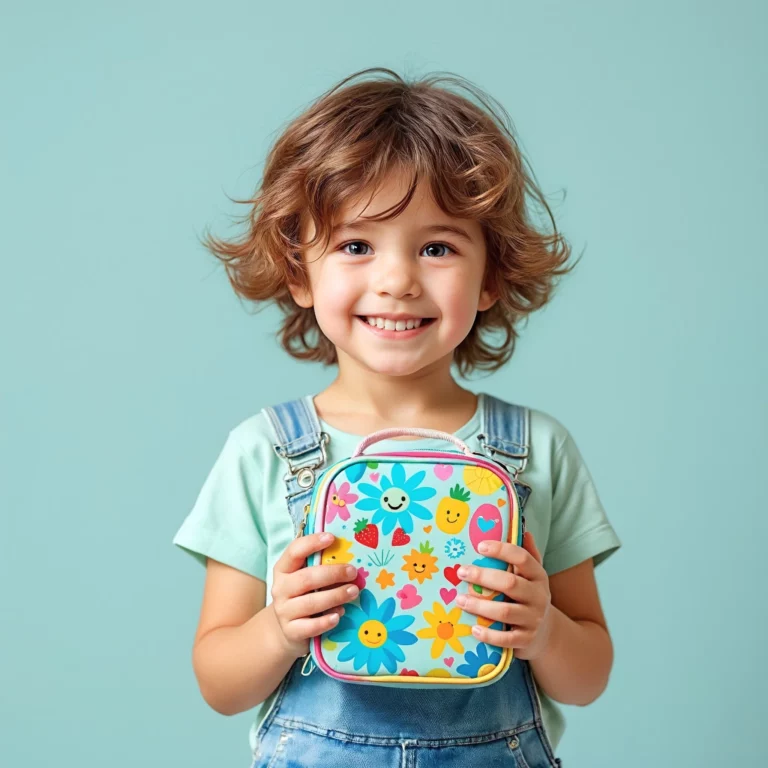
point(397, 266)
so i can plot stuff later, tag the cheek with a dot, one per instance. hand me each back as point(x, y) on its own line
point(335, 299)
point(459, 304)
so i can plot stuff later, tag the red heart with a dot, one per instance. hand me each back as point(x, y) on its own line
point(451, 574)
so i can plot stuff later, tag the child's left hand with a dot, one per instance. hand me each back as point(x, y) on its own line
point(530, 615)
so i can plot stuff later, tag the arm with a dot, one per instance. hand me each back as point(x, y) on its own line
point(243, 649)
point(577, 657)
point(239, 655)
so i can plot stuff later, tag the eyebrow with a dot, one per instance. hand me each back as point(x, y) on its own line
point(355, 226)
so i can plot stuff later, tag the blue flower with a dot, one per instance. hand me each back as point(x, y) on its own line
point(474, 662)
point(454, 548)
point(373, 633)
point(396, 500)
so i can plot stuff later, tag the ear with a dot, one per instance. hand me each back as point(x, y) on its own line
point(487, 299)
point(302, 296)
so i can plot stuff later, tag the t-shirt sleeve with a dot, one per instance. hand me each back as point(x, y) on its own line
point(224, 522)
point(580, 528)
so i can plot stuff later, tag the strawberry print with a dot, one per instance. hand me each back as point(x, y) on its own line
point(366, 533)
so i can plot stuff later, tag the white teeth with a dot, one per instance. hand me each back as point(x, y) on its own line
point(393, 325)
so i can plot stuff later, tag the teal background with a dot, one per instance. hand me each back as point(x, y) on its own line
point(126, 357)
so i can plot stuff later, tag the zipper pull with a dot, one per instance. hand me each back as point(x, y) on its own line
point(307, 658)
point(303, 523)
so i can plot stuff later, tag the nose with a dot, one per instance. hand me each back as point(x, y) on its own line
point(397, 275)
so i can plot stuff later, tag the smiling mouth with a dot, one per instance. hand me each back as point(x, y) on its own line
point(385, 324)
point(392, 509)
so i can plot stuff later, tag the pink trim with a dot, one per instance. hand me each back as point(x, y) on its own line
point(383, 434)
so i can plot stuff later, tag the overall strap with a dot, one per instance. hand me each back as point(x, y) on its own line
point(300, 442)
point(505, 437)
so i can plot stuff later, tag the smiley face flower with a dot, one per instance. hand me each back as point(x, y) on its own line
point(395, 501)
point(373, 633)
point(444, 628)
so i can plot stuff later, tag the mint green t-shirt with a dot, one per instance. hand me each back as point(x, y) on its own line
point(240, 517)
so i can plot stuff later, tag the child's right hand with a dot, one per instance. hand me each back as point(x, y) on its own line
point(293, 599)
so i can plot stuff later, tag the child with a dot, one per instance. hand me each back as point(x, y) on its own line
point(392, 230)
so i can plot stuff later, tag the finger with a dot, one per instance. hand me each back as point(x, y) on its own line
point(515, 638)
point(517, 614)
point(297, 552)
point(308, 605)
point(315, 577)
point(302, 629)
point(524, 562)
point(510, 584)
point(529, 544)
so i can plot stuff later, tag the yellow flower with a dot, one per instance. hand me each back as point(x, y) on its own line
point(481, 480)
point(444, 628)
point(385, 579)
point(338, 552)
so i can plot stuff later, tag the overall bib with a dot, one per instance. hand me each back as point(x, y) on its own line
point(316, 720)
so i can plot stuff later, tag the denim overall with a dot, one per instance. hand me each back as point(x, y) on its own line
point(316, 720)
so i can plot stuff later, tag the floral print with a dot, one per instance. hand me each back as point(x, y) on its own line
point(373, 634)
point(395, 500)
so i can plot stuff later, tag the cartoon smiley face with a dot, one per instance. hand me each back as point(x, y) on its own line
point(453, 511)
point(395, 499)
point(338, 552)
point(372, 634)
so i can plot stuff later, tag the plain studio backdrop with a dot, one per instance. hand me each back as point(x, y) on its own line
point(126, 357)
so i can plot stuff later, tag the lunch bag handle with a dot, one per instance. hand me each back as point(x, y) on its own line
point(435, 434)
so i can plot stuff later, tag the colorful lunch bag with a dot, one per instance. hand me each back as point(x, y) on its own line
point(407, 520)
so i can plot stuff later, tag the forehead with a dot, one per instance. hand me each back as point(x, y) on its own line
point(422, 215)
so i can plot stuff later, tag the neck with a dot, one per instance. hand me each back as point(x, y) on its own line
point(425, 395)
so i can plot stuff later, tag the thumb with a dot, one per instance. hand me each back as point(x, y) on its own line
point(529, 544)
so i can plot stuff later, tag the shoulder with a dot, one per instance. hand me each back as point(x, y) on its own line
point(253, 436)
point(547, 428)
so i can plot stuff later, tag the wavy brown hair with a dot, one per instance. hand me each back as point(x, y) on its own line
point(343, 146)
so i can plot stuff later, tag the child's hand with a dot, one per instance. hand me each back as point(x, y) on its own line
point(530, 615)
point(295, 602)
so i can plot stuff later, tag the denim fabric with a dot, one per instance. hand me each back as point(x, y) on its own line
point(317, 720)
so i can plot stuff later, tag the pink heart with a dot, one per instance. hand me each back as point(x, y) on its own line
point(448, 595)
point(448, 661)
point(375, 477)
point(409, 598)
point(443, 471)
point(362, 575)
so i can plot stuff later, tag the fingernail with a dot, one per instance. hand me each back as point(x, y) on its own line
point(334, 617)
point(351, 571)
point(483, 546)
point(352, 591)
point(461, 599)
point(326, 537)
point(476, 631)
point(463, 572)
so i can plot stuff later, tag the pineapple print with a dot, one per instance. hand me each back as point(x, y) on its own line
point(453, 511)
